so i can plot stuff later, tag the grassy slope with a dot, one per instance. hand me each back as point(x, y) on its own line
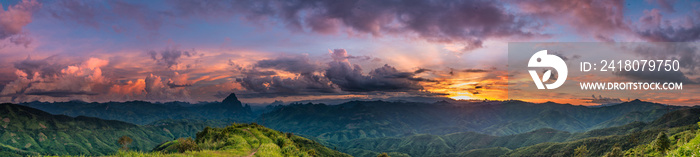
point(244, 140)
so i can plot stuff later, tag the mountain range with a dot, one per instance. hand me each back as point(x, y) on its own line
point(363, 119)
point(358, 128)
point(142, 112)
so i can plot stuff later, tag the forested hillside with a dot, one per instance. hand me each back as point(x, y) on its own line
point(30, 131)
point(359, 128)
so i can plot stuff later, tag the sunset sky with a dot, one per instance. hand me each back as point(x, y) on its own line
point(181, 50)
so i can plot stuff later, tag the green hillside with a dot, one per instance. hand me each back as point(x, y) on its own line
point(679, 124)
point(241, 140)
point(364, 129)
point(375, 119)
point(27, 131)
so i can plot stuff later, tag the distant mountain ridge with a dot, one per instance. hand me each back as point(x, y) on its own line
point(142, 112)
point(33, 132)
point(541, 142)
point(363, 119)
point(342, 124)
point(361, 128)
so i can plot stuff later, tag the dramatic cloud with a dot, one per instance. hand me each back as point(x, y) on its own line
point(350, 78)
point(477, 70)
point(421, 70)
point(53, 79)
point(97, 47)
point(45, 67)
point(48, 79)
point(298, 64)
point(336, 77)
point(467, 22)
point(14, 18)
point(278, 86)
point(269, 83)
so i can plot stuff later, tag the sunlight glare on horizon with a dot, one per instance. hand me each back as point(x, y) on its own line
point(462, 97)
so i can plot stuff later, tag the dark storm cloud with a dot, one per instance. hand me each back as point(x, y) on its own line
point(302, 85)
point(298, 64)
point(254, 72)
point(468, 22)
point(333, 78)
point(476, 70)
point(390, 72)
point(261, 79)
point(45, 67)
point(341, 54)
point(173, 85)
point(387, 78)
point(59, 93)
point(421, 70)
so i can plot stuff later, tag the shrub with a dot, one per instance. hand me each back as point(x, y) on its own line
point(662, 143)
point(186, 144)
point(125, 141)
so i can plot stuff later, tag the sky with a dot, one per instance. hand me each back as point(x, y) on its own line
point(267, 50)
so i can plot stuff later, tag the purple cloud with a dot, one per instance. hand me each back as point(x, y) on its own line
point(14, 18)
